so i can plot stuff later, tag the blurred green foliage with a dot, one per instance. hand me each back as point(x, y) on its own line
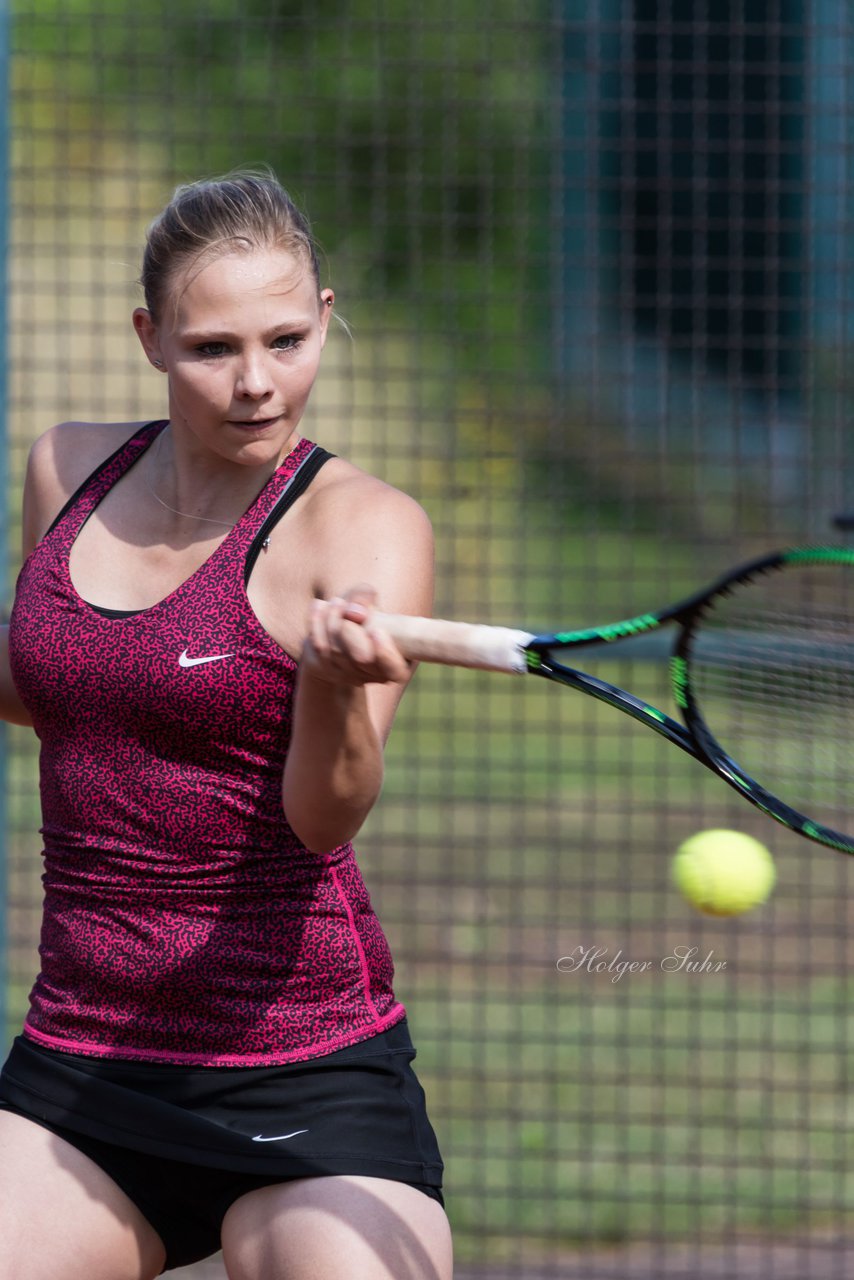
point(418, 133)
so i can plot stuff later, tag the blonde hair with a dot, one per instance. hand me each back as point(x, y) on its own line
point(247, 209)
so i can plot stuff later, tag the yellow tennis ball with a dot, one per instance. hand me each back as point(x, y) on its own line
point(724, 873)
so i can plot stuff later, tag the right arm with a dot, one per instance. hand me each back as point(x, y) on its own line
point(59, 462)
point(11, 706)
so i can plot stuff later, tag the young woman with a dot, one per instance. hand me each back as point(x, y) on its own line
point(214, 1056)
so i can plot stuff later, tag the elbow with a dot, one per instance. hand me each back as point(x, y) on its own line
point(323, 831)
point(325, 813)
point(321, 837)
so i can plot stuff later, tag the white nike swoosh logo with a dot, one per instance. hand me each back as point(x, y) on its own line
point(184, 661)
point(279, 1137)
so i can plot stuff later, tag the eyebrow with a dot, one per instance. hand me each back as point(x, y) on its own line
point(291, 325)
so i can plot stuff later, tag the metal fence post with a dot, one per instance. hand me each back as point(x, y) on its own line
point(4, 502)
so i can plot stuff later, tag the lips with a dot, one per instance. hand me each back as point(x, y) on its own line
point(252, 423)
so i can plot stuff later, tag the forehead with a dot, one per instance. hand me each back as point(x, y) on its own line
point(240, 282)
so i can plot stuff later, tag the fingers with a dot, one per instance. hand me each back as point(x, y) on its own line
point(345, 648)
point(359, 600)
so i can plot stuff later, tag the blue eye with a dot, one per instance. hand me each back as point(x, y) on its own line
point(212, 349)
point(287, 341)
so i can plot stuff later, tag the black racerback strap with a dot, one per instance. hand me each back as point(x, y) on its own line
point(303, 478)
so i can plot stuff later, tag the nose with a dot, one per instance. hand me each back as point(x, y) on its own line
point(253, 378)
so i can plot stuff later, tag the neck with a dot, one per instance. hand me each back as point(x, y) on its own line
point(202, 489)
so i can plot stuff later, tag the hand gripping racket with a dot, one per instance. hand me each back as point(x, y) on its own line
point(762, 671)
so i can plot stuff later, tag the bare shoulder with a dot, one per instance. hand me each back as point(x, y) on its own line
point(347, 492)
point(68, 452)
point(370, 532)
point(59, 461)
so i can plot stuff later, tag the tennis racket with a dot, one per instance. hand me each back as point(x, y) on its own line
point(761, 668)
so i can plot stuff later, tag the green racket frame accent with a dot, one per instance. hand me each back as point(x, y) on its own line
point(695, 738)
point(819, 555)
point(616, 631)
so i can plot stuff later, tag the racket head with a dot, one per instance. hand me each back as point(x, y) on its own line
point(763, 673)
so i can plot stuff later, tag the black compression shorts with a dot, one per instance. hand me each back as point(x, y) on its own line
point(184, 1143)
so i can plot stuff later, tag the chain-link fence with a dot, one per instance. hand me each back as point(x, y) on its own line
point(596, 261)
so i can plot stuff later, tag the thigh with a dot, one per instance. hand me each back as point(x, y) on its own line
point(341, 1228)
point(62, 1216)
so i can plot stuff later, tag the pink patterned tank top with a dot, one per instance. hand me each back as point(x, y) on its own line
point(184, 921)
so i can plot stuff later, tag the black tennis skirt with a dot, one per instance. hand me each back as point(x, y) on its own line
point(360, 1110)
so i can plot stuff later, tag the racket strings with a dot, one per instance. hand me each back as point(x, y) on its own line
point(772, 671)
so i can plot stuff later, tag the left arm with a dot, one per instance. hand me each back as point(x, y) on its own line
point(351, 675)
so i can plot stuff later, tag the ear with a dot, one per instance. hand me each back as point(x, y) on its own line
point(327, 302)
point(146, 331)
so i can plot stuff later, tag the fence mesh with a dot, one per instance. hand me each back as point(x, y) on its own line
point(596, 264)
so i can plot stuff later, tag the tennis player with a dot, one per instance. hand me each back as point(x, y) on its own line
point(214, 1055)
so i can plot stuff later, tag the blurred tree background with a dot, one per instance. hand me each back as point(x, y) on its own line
point(596, 265)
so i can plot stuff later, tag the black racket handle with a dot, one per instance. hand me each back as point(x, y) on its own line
point(843, 521)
